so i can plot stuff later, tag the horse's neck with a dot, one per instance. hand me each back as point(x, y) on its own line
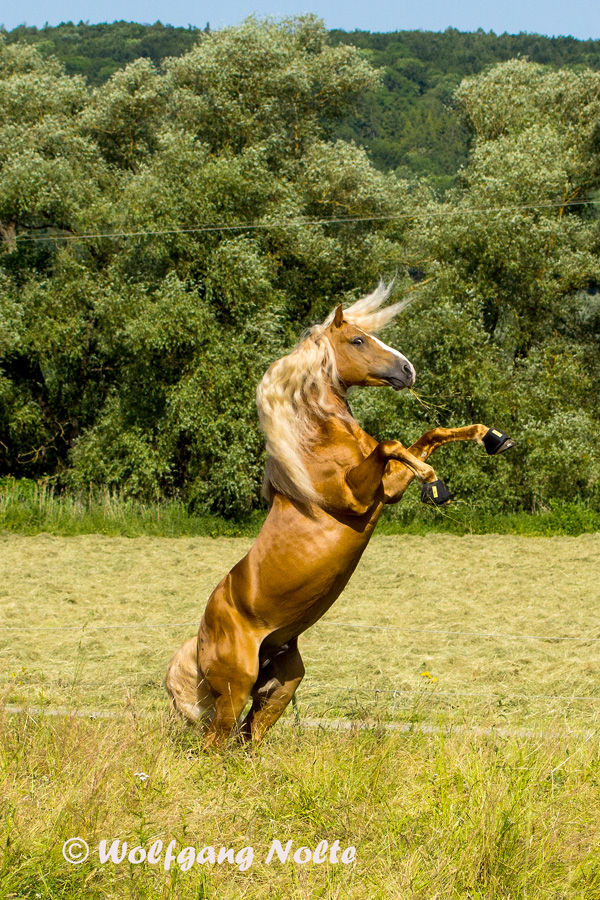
point(343, 422)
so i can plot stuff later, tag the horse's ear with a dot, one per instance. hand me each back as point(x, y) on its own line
point(339, 317)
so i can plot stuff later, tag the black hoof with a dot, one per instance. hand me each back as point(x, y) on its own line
point(435, 493)
point(497, 442)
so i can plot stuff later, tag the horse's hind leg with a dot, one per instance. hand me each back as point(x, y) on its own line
point(229, 705)
point(276, 685)
point(231, 669)
point(215, 698)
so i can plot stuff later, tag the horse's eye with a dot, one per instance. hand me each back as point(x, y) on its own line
point(358, 341)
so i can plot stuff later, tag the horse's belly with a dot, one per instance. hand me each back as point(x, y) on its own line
point(296, 570)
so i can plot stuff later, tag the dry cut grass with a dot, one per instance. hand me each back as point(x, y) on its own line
point(422, 604)
point(497, 816)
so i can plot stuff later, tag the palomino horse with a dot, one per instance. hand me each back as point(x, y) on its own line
point(327, 482)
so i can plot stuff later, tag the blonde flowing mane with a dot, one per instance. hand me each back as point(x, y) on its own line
point(295, 393)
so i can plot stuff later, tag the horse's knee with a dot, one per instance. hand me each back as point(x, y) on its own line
point(428, 473)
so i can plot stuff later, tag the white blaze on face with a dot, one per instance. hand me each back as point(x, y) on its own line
point(395, 353)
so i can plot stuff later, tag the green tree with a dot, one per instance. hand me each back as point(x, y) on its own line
point(507, 330)
point(170, 233)
point(147, 349)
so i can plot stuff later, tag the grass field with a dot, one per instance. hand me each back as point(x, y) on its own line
point(467, 634)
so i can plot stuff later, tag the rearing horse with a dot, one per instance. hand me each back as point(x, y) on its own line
point(327, 481)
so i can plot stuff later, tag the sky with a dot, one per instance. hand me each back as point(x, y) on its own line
point(579, 18)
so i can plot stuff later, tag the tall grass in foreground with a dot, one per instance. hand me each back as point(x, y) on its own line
point(27, 507)
point(445, 817)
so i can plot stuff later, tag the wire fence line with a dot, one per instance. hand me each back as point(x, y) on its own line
point(486, 634)
point(92, 626)
point(140, 682)
point(332, 724)
point(480, 696)
point(426, 689)
point(305, 223)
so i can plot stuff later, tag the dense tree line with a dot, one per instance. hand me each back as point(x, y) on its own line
point(407, 122)
point(410, 122)
point(98, 51)
point(162, 243)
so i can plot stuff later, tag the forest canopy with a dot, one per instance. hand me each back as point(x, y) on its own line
point(169, 232)
point(407, 122)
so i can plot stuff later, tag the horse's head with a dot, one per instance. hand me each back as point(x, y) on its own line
point(363, 360)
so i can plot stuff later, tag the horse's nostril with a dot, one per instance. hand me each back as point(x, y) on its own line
point(407, 368)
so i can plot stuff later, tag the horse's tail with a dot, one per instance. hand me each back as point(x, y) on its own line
point(186, 685)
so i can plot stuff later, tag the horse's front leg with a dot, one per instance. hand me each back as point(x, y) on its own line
point(363, 482)
point(493, 440)
point(427, 443)
point(354, 490)
point(397, 478)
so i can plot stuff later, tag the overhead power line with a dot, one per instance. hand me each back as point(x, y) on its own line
point(303, 223)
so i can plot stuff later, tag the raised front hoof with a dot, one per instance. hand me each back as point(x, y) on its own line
point(435, 493)
point(497, 442)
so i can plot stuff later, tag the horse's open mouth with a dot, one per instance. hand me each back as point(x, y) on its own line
point(397, 383)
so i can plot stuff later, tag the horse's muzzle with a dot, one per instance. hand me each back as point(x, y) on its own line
point(403, 376)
